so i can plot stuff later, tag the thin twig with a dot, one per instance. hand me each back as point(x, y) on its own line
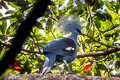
point(99, 60)
point(81, 45)
point(53, 34)
point(53, 14)
point(37, 42)
point(98, 41)
point(90, 19)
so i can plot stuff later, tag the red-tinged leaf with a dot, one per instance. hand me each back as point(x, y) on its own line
point(16, 64)
point(17, 69)
point(111, 62)
point(87, 67)
point(3, 3)
point(56, 19)
point(105, 72)
point(81, 74)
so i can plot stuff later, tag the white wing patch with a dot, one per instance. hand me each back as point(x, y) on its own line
point(70, 49)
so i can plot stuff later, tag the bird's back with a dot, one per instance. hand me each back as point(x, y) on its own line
point(63, 48)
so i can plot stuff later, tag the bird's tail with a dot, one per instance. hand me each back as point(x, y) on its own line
point(49, 63)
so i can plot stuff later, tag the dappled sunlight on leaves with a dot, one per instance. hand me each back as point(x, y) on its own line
point(101, 25)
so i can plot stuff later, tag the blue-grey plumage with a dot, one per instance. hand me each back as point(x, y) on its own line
point(62, 49)
point(49, 63)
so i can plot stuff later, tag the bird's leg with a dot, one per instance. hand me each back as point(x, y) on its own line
point(69, 70)
point(59, 68)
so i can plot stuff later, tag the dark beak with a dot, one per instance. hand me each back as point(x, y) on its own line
point(82, 34)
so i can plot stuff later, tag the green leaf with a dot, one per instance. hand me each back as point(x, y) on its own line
point(1, 14)
point(102, 67)
point(113, 14)
point(107, 3)
point(1, 33)
point(98, 4)
point(6, 7)
point(0, 6)
point(11, 29)
point(2, 52)
point(10, 12)
point(14, 5)
point(30, 1)
point(117, 54)
point(105, 25)
point(80, 9)
point(3, 27)
point(117, 65)
point(98, 23)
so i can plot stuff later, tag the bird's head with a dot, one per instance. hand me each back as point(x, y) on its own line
point(75, 28)
point(70, 23)
point(78, 31)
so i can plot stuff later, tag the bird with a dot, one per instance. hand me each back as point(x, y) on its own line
point(62, 49)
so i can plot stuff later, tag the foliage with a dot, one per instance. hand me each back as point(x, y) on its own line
point(100, 19)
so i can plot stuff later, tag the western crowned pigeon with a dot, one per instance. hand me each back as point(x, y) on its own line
point(63, 49)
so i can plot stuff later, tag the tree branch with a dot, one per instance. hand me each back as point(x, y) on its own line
point(100, 53)
point(39, 8)
point(29, 51)
point(89, 54)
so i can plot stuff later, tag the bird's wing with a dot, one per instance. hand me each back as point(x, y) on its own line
point(66, 45)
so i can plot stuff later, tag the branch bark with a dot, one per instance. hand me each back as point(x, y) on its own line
point(23, 31)
point(100, 53)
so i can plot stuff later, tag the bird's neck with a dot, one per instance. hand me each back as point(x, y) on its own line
point(74, 36)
